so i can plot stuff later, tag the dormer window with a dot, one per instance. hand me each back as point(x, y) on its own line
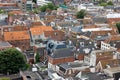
point(82, 44)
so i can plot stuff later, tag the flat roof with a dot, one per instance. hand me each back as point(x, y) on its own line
point(70, 65)
point(113, 70)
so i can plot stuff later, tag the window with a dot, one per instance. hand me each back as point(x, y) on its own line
point(62, 69)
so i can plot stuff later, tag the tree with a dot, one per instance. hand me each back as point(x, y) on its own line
point(110, 3)
point(81, 14)
point(1, 11)
point(118, 26)
point(103, 4)
point(37, 57)
point(4, 78)
point(43, 8)
point(35, 1)
point(102, 1)
point(11, 61)
point(49, 6)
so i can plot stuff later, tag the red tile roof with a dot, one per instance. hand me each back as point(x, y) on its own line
point(16, 12)
point(55, 35)
point(8, 4)
point(113, 38)
point(16, 35)
point(37, 30)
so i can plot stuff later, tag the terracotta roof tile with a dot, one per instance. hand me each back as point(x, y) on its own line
point(8, 4)
point(110, 20)
point(113, 38)
point(95, 33)
point(104, 56)
point(16, 12)
point(55, 35)
point(110, 62)
point(37, 30)
point(16, 35)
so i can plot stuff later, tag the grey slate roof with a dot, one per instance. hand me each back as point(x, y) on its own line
point(5, 44)
point(77, 29)
point(29, 54)
point(101, 37)
point(99, 19)
point(62, 53)
point(3, 22)
point(95, 76)
point(71, 65)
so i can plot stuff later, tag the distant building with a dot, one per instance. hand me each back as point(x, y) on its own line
point(29, 5)
point(43, 2)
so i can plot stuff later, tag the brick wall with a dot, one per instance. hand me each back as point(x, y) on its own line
point(60, 60)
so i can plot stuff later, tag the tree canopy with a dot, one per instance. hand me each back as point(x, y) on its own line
point(118, 26)
point(105, 3)
point(37, 57)
point(11, 61)
point(81, 14)
point(1, 11)
point(35, 1)
point(4, 78)
point(49, 6)
point(110, 3)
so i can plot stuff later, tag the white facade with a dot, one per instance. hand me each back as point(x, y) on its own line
point(43, 2)
point(105, 46)
point(113, 15)
point(93, 58)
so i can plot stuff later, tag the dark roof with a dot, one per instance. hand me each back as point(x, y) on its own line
point(40, 51)
point(9, 8)
point(87, 34)
point(99, 19)
point(55, 35)
point(32, 75)
point(3, 22)
point(77, 29)
point(2, 44)
point(95, 76)
point(62, 53)
point(5, 44)
point(101, 37)
point(109, 7)
point(12, 76)
point(29, 54)
point(71, 65)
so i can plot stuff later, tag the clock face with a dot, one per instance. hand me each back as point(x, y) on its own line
point(50, 45)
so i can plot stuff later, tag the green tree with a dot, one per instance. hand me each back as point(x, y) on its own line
point(81, 14)
point(37, 57)
point(110, 3)
point(35, 1)
point(50, 6)
point(1, 11)
point(103, 4)
point(11, 61)
point(43, 8)
point(118, 26)
point(4, 78)
point(36, 11)
point(102, 1)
